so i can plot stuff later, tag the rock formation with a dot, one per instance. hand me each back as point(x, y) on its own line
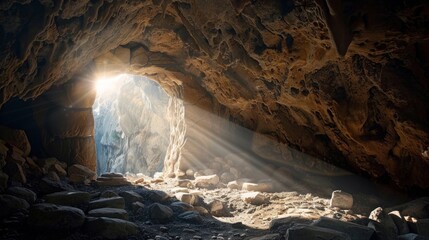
point(347, 83)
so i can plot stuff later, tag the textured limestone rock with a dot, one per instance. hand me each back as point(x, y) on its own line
point(341, 200)
point(255, 198)
point(270, 66)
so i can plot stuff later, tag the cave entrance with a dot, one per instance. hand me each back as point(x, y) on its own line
point(137, 125)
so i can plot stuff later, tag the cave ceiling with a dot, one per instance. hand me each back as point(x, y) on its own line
point(347, 83)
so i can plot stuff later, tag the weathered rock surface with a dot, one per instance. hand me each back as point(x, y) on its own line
point(273, 67)
point(68, 198)
point(312, 232)
point(11, 204)
point(50, 216)
point(341, 200)
point(355, 231)
point(112, 202)
point(110, 228)
point(23, 193)
point(160, 213)
point(109, 213)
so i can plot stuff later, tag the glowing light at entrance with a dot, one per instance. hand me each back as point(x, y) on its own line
point(107, 83)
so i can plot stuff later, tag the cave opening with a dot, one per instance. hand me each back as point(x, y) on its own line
point(137, 125)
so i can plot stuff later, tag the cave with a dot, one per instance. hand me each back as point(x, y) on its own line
point(228, 119)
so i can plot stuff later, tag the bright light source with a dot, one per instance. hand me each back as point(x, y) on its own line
point(107, 83)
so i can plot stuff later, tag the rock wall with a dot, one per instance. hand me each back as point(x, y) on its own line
point(347, 83)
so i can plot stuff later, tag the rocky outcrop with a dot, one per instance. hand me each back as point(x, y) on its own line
point(270, 66)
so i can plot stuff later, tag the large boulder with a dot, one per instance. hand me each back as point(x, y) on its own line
point(113, 202)
point(355, 231)
point(341, 200)
point(53, 217)
point(109, 213)
point(110, 228)
point(11, 204)
point(68, 198)
point(160, 213)
point(17, 138)
point(23, 193)
point(300, 232)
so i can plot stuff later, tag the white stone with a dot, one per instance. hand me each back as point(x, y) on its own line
point(186, 198)
point(255, 198)
point(341, 200)
point(206, 181)
point(258, 187)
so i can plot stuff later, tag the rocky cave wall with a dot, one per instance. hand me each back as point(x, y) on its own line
point(347, 83)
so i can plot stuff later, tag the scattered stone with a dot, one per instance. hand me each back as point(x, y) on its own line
point(113, 202)
point(108, 194)
point(255, 198)
point(59, 170)
point(187, 198)
point(299, 232)
point(80, 174)
point(206, 181)
point(201, 210)
point(158, 196)
point(68, 198)
point(15, 172)
point(258, 187)
point(112, 181)
point(355, 231)
point(282, 224)
point(139, 181)
point(400, 222)
point(341, 200)
point(130, 197)
point(184, 183)
point(112, 174)
point(137, 207)
point(17, 138)
point(53, 176)
point(181, 207)
point(47, 186)
point(110, 228)
point(383, 224)
point(53, 217)
point(23, 193)
point(163, 229)
point(160, 213)
point(190, 173)
point(226, 177)
point(191, 217)
point(217, 208)
point(109, 213)
point(10, 204)
point(233, 185)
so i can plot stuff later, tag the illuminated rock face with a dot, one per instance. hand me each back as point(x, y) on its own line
point(270, 66)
